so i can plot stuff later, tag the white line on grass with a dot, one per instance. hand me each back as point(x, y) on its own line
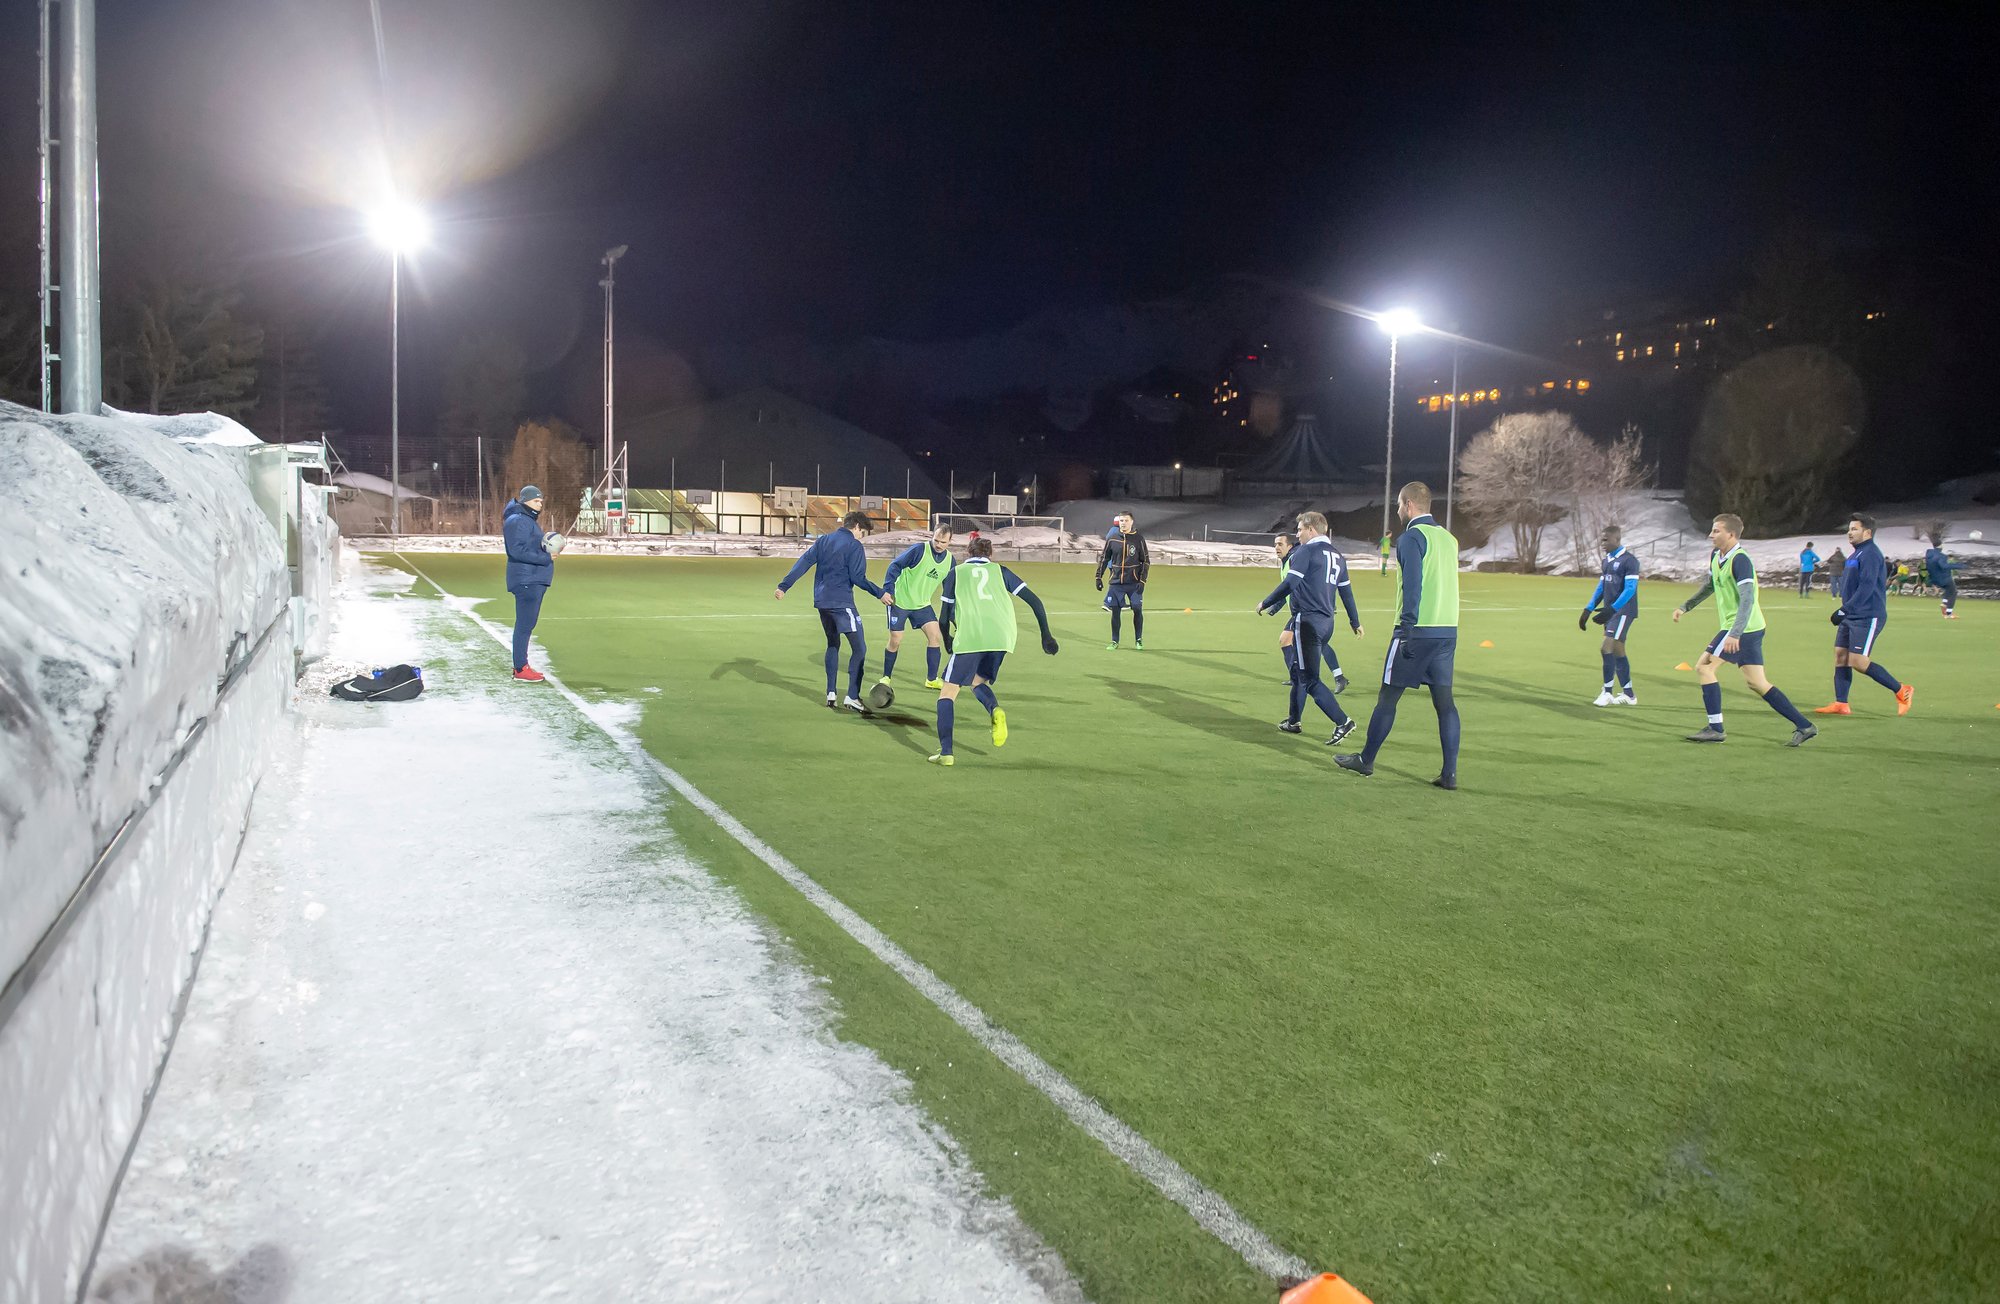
point(1210, 1210)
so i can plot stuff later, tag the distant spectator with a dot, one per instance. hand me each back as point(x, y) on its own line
point(1808, 561)
point(530, 572)
point(1938, 570)
point(1836, 566)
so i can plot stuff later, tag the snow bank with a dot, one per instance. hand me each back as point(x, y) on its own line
point(136, 574)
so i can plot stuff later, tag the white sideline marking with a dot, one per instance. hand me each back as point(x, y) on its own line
point(1211, 1211)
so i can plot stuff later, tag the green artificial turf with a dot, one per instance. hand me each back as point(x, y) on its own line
point(1623, 1018)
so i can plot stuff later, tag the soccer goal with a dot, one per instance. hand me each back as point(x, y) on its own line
point(967, 522)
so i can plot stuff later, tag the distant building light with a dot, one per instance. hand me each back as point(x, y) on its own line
point(1548, 384)
point(1582, 385)
point(1621, 355)
point(1618, 338)
point(1649, 350)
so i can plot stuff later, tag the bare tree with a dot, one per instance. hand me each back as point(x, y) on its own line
point(548, 455)
point(1603, 477)
point(1522, 473)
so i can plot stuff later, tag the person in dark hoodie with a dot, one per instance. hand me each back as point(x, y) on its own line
point(839, 566)
point(530, 571)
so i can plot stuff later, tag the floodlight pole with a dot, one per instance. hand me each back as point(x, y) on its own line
point(395, 393)
point(610, 260)
point(1389, 455)
point(1451, 459)
point(81, 336)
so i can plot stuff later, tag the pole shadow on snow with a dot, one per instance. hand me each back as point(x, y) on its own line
point(263, 1275)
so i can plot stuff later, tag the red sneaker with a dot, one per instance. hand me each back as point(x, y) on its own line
point(1903, 697)
point(529, 675)
point(1834, 708)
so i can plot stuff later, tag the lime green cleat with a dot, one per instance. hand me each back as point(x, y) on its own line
point(999, 726)
point(939, 759)
point(934, 683)
point(1110, 647)
point(1137, 646)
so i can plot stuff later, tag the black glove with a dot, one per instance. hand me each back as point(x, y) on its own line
point(1048, 645)
point(1602, 617)
point(1583, 621)
point(1834, 619)
point(1100, 583)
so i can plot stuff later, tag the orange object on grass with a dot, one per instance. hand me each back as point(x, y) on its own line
point(1683, 666)
point(1327, 1288)
point(1486, 642)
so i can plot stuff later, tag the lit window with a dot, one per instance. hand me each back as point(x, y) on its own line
point(1770, 325)
point(1621, 355)
point(1649, 350)
point(1548, 384)
point(1569, 384)
point(1582, 385)
point(1677, 348)
point(1437, 401)
point(1618, 338)
point(1697, 344)
point(1465, 398)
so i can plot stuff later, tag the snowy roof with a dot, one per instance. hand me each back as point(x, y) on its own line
point(191, 427)
point(375, 484)
point(764, 435)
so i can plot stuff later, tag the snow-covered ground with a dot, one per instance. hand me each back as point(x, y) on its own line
point(471, 1026)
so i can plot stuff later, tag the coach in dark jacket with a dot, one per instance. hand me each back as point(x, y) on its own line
point(530, 571)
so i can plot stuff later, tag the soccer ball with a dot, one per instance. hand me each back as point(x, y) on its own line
point(1977, 535)
point(881, 697)
point(553, 543)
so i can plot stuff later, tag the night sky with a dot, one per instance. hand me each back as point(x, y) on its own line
point(936, 171)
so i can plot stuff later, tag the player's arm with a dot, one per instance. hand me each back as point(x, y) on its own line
point(1583, 621)
point(807, 560)
point(1278, 596)
point(857, 572)
point(1745, 576)
point(1346, 591)
point(1410, 549)
point(1019, 588)
point(1700, 594)
point(900, 563)
point(1103, 560)
point(948, 606)
point(1144, 562)
point(523, 537)
point(1630, 592)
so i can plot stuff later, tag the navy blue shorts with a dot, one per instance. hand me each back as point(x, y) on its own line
point(1125, 595)
point(915, 619)
point(962, 667)
point(837, 621)
point(1416, 662)
point(1749, 651)
point(1858, 636)
point(1619, 625)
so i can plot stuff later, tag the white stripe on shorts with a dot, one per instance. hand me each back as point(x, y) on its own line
point(1389, 662)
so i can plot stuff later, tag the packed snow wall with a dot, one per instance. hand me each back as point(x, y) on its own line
point(147, 652)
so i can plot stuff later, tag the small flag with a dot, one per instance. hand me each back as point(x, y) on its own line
point(1683, 666)
point(1486, 642)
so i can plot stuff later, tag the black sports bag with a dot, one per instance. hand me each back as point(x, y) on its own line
point(395, 684)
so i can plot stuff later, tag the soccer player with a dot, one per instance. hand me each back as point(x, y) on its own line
point(1283, 546)
point(1422, 649)
point(841, 566)
point(1619, 576)
point(1126, 557)
point(1313, 574)
point(1808, 562)
point(1384, 548)
point(1732, 578)
point(1859, 619)
point(978, 598)
point(1938, 569)
point(913, 581)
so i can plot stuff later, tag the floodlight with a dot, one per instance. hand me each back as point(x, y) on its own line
point(1399, 321)
point(400, 227)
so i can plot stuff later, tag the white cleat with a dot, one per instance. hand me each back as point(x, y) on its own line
point(1625, 699)
point(1604, 698)
point(854, 704)
point(831, 700)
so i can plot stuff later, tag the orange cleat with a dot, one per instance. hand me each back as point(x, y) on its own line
point(1903, 698)
point(1834, 708)
point(529, 675)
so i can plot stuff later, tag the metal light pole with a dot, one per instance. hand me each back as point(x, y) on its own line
point(1451, 461)
point(400, 228)
point(1397, 321)
point(610, 260)
point(82, 349)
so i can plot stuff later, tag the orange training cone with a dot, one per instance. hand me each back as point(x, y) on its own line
point(1683, 666)
point(1327, 1288)
point(1486, 642)
point(1188, 610)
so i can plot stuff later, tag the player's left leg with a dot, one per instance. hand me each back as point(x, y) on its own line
point(857, 658)
point(1858, 658)
point(1753, 675)
point(1114, 602)
point(1333, 663)
point(947, 703)
point(1711, 694)
point(933, 652)
point(895, 646)
point(1615, 631)
point(1139, 618)
point(829, 622)
point(1446, 707)
point(1311, 638)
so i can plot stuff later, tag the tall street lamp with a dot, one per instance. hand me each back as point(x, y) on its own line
point(610, 260)
point(401, 228)
point(1396, 322)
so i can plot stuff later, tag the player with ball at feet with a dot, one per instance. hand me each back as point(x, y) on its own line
point(979, 630)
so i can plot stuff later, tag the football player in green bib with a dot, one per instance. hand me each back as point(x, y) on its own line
point(1732, 578)
point(913, 581)
point(978, 603)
